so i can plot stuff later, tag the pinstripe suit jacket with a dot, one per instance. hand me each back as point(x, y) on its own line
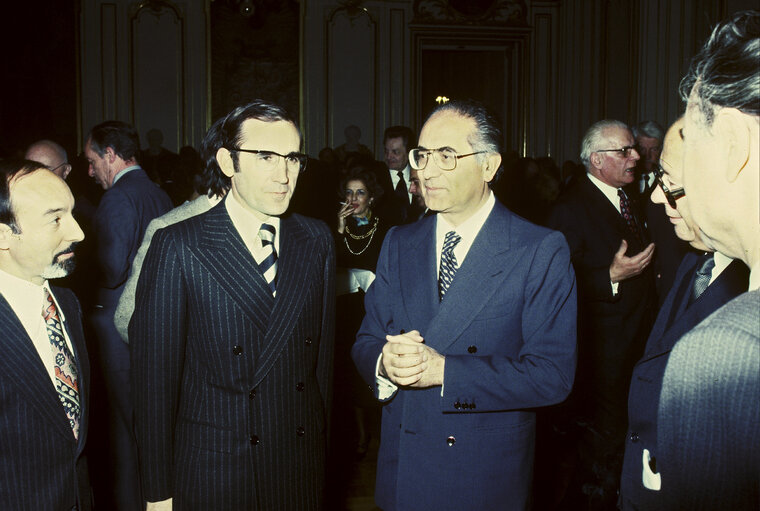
point(231, 386)
point(41, 463)
point(708, 423)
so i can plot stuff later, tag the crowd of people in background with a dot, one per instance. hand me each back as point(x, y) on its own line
point(243, 317)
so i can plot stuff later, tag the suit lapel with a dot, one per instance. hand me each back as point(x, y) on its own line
point(227, 260)
point(418, 279)
point(729, 284)
point(600, 205)
point(481, 274)
point(293, 275)
point(21, 364)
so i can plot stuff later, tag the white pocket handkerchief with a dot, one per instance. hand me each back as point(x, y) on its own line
point(649, 479)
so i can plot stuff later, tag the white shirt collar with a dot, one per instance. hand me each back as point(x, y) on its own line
point(26, 299)
point(124, 171)
point(248, 225)
point(609, 191)
point(468, 230)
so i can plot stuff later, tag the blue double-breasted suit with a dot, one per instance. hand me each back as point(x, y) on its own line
point(507, 328)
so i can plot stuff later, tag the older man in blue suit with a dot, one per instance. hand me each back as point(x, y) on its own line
point(470, 324)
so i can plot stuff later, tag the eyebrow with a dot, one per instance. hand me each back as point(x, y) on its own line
point(54, 211)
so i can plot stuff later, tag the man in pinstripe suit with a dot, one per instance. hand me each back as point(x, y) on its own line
point(44, 372)
point(232, 337)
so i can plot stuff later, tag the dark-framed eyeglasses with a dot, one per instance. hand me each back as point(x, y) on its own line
point(625, 151)
point(270, 160)
point(670, 195)
point(445, 157)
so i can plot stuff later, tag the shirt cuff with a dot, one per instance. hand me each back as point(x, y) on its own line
point(385, 388)
point(614, 288)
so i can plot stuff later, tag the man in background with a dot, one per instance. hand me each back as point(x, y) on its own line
point(131, 200)
point(50, 154)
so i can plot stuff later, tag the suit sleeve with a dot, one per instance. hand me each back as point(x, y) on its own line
point(158, 336)
point(543, 372)
point(126, 306)
point(117, 228)
point(592, 272)
point(377, 319)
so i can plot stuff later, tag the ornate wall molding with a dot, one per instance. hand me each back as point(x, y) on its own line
point(470, 12)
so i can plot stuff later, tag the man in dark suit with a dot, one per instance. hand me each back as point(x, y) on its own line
point(470, 324)
point(708, 421)
point(611, 254)
point(702, 285)
point(44, 390)
point(397, 204)
point(130, 202)
point(670, 249)
point(232, 336)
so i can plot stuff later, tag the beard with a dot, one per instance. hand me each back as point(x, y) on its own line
point(61, 268)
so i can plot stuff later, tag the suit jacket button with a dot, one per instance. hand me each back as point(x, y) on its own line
point(252, 394)
point(299, 386)
point(457, 405)
point(634, 437)
point(237, 350)
point(450, 441)
point(300, 431)
point(472, 349)
point(308, 341)
point(254, 440)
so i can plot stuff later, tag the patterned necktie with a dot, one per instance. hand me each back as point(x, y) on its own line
point(702, 278)
point(449, 263)
point(66, 377)
point(630, 220)
point(269, 265)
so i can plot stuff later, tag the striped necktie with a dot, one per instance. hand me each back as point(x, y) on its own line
point(702, 277)
point(268, 266)
point(449, 263)
point(66, 377)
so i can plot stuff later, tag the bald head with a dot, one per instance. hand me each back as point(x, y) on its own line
point(50, 154)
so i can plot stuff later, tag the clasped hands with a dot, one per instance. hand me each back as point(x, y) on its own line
point(408, 362)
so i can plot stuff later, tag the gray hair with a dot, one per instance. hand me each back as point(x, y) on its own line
point(726, 71)
point(594, 138)
point(651, 129)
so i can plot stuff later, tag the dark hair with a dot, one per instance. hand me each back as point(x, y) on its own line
point(402, 132)
point(487, 133)
point(726, 71)
point(10, 169)
point(225, 132)
point(363, 174)
point(119, 136)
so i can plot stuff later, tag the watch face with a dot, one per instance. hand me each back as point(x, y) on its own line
point(471, 8)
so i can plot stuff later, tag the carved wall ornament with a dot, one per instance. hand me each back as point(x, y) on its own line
point(470, 12)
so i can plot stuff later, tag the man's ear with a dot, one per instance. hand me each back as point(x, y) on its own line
point(734, 132)
point(224, 159)
point(490, 166)
point(109, 155)
point(66, 170)
point(596, 160)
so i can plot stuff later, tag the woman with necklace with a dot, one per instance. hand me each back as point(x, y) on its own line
point(360, 232)
point(358, 238)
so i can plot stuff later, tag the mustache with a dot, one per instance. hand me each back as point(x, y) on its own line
point(67, 250)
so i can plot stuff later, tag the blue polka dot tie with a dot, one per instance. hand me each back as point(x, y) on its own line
point(66, 377)
point(449, 263)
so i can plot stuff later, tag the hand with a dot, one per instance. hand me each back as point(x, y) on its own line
point(344, 213)
point(163, 505)
point(623, 267)
point(406, 361)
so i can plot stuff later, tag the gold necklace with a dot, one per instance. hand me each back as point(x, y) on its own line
point(370, 233)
